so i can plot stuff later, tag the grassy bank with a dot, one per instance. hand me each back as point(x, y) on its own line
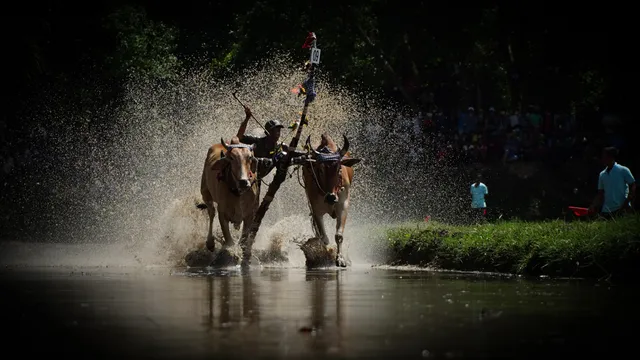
point(597, 249)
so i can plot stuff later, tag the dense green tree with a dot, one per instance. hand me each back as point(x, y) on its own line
point(144, 47)
point(500, 54)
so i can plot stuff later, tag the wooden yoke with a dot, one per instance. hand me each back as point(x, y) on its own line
point(285, 161)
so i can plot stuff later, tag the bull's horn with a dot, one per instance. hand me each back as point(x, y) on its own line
point(224, 144)
point(309, 145)
point(345, 146)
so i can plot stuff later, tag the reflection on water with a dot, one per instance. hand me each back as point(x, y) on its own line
point(292, 313)
point(325, 322)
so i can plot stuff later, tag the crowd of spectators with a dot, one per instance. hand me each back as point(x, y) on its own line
point(473, 136)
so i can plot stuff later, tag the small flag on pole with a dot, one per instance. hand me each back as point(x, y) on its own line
point(309, 41)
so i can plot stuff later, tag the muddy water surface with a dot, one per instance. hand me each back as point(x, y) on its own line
point(298, 314)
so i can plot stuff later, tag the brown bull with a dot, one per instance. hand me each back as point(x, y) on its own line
point(229, 179)
point(327, 181)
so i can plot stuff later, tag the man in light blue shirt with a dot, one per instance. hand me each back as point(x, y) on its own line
point(616, 186)
point(478, 192)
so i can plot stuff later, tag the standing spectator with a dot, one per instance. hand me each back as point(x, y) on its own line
point(511, 148)
point(472, 120)
point(483, 149)
point(429, 124)
point(442, 122)
point(417, 126)
point(492, 122)
point(462, 122)
point(514, 120)
point(478, 203)
point(534, 119)
point(504, 122)
point(616, 186)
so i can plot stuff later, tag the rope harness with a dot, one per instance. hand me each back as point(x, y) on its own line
point(240, 146)
point(323, 156)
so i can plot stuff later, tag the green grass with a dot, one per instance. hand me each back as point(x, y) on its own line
point(555, 248)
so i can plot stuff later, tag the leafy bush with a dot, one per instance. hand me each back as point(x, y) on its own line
point(587, 249)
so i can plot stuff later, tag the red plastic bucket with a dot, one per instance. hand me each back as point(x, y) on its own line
point(579, 211)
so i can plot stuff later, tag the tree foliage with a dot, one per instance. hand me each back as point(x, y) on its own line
point(423, 53)
point(144, 47)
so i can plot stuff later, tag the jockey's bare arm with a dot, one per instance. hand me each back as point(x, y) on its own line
point(243, 125)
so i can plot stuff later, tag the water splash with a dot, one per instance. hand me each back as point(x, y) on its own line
point(131, 178)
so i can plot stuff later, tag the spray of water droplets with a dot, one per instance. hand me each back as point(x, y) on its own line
point(130, 178)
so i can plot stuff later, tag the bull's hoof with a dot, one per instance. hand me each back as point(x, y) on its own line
point(246, 263)
point(225, 259)
point(198, 258)
point(317, 254)
point(340, 262)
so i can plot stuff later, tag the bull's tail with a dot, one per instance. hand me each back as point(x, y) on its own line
point(201, 206)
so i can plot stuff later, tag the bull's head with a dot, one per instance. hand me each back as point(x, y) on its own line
point(242, 162)
point(327, 165)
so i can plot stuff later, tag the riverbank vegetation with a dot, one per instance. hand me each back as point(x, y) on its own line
point(596, 249)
